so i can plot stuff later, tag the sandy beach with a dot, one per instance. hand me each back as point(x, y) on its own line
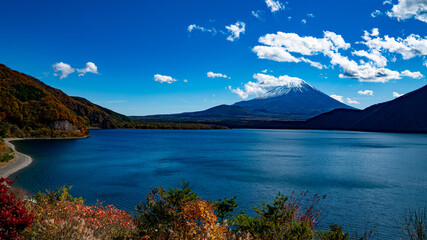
point(19, 162)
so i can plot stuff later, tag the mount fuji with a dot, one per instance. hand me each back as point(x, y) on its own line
point(296, 100)
point(293, 101)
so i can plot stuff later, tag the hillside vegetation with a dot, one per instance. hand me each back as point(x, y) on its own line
point(30, 108)
point(6, 153)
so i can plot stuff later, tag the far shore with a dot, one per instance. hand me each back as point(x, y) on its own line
point(21, 161)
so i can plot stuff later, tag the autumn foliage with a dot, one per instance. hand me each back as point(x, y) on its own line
point(175, 213)
point(178, 214)
point(28, 107)
point(199, 221)
point(14, 217)
point(60, 216)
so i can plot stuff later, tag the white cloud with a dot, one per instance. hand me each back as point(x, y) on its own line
point(235, 30)
point(406, 9)
point(376, 13)
point(303, 21)
point(387, 2)
point(375, 32)
point(265, 83)
point(374, 55)
point(164, 79)
point(365, 72)
point(242, 94)
point(193, 27)
point(90, 68)
point(280, 46)
point(396, 95)
point(425, 63)
point(64, 68)
point(185, 80)
point(366, 92)
point(290, 47)
point(274, 5)
point(310, 15)
point(351, 101)
point(264, 71)
point(292, 42)
point(258, 14)
point(407, 73)
point(216, 75)
point(313, 64)
point(341, 99)
point(278, 54)
point(410, 47)
point(337, 97)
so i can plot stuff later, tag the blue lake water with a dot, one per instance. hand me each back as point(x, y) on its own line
point(371, 177)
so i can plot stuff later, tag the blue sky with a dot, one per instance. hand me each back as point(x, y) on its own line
point(112, 52)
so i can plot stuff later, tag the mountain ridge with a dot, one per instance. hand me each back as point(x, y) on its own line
point(30, 107)
point(300, 101)
point(293, 101)
point(403, 114)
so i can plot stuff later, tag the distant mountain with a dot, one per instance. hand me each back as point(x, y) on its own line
point(294, 101)
point(407, 113)
point(220, 112)
point(28, 107)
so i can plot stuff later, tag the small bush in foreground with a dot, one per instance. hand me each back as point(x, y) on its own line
point(279, 220)
point(177, 214)
point(58, 215)
point(413, 224)
point(14, 218)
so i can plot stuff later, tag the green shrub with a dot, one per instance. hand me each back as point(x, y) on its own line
point(334, 233)
point(159, 213)
point(225, 208)
point(59, 194)
point(274, 221)
point(6, 158)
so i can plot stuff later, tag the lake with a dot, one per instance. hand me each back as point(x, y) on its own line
point(371, 177)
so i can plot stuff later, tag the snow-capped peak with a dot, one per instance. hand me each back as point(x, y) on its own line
point(297, 85)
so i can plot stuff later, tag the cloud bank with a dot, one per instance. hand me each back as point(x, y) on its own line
point(406, 9)
point(290, 47)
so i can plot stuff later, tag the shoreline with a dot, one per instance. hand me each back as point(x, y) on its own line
point(21, 160)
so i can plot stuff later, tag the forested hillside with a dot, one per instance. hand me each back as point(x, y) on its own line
point(30, 108)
